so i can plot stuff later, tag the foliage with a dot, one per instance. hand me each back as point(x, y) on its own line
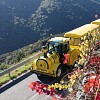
point(41, 88)
point(52, 89)
point(80, 84)
point(11, 58)
point(4, 79)
point(3, 66)
point(8, 59)
point(92, 85)
point(89, 87)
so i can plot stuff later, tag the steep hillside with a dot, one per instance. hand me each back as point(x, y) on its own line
point(14, 32)
point(25, 21)
point(62, 15)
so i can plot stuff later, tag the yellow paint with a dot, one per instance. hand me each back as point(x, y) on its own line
point(80, 41)
point(96, 22)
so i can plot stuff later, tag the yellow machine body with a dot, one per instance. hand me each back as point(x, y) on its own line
point(78, 43)
point(47, 65)
point(83, 38)
point(97, 22)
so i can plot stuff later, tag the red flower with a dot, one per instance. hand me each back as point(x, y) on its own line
point(93, 82)
point(37, 89)
point(52, 89)
point(40, 91)
point(98, 96)
point(32, 85)
point(46, 86)
point(47, 92)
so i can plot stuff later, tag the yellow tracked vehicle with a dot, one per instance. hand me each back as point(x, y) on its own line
point(64, 51)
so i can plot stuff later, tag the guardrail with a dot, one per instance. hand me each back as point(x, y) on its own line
point(18, 65)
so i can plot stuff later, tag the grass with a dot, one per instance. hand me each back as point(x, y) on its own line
point(4, 79)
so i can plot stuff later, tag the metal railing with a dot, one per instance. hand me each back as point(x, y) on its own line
point(7, 71)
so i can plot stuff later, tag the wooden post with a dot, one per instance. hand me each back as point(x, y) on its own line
point(9, 75)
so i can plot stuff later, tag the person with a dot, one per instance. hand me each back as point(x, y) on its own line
point(66, 58)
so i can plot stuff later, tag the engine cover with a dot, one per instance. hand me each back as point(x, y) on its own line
point(45, 63)
point(42, 64)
